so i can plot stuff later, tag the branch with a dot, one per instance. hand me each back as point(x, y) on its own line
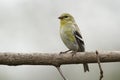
point(60, 71)
point(55, 59)
point(101, 71)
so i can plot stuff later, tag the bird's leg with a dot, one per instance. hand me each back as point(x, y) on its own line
point(65, 51)
point(73, 53)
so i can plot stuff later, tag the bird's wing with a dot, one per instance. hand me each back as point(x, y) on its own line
point(79, 39)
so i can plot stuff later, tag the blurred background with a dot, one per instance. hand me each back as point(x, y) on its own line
point(33, 26)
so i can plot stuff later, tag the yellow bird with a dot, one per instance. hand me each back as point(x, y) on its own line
point(71, 36)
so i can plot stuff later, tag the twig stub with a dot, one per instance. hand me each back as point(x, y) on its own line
point(101, 71)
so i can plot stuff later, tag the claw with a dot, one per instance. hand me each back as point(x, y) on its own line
point(62, 53)
point(73, 53)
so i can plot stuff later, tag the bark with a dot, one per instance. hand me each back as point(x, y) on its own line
point(56, 59)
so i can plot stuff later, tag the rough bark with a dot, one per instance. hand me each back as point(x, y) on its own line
point(56, 59)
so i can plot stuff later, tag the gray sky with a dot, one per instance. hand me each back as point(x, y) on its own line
point(32, 26)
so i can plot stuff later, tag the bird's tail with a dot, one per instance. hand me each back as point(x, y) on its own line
point(86, 67)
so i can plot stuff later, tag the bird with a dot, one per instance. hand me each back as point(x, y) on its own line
point(71, 35)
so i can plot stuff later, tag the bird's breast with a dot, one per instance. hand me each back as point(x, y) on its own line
point(68, 38)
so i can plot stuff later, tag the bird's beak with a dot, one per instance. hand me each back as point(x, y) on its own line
point(60, 17)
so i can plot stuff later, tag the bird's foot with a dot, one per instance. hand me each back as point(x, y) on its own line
point(73, 53)
point(65, 52)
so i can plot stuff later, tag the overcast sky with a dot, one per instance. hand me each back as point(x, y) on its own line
point(33, 26)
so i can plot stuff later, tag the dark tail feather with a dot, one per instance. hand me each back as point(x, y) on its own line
point(86, 67)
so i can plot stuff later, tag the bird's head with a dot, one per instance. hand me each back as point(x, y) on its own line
point(66, 18)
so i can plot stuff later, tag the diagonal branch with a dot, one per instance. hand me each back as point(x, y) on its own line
point(101, 71)
point(55, 59)
point(60, 71)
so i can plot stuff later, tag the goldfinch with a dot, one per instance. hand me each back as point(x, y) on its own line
point(71, 36)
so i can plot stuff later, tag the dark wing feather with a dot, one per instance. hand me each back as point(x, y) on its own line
point(80, 41)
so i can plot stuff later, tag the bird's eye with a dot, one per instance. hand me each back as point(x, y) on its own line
point(65, 16)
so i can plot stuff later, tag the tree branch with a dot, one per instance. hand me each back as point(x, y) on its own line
point(56, 59)
point(101, 71)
